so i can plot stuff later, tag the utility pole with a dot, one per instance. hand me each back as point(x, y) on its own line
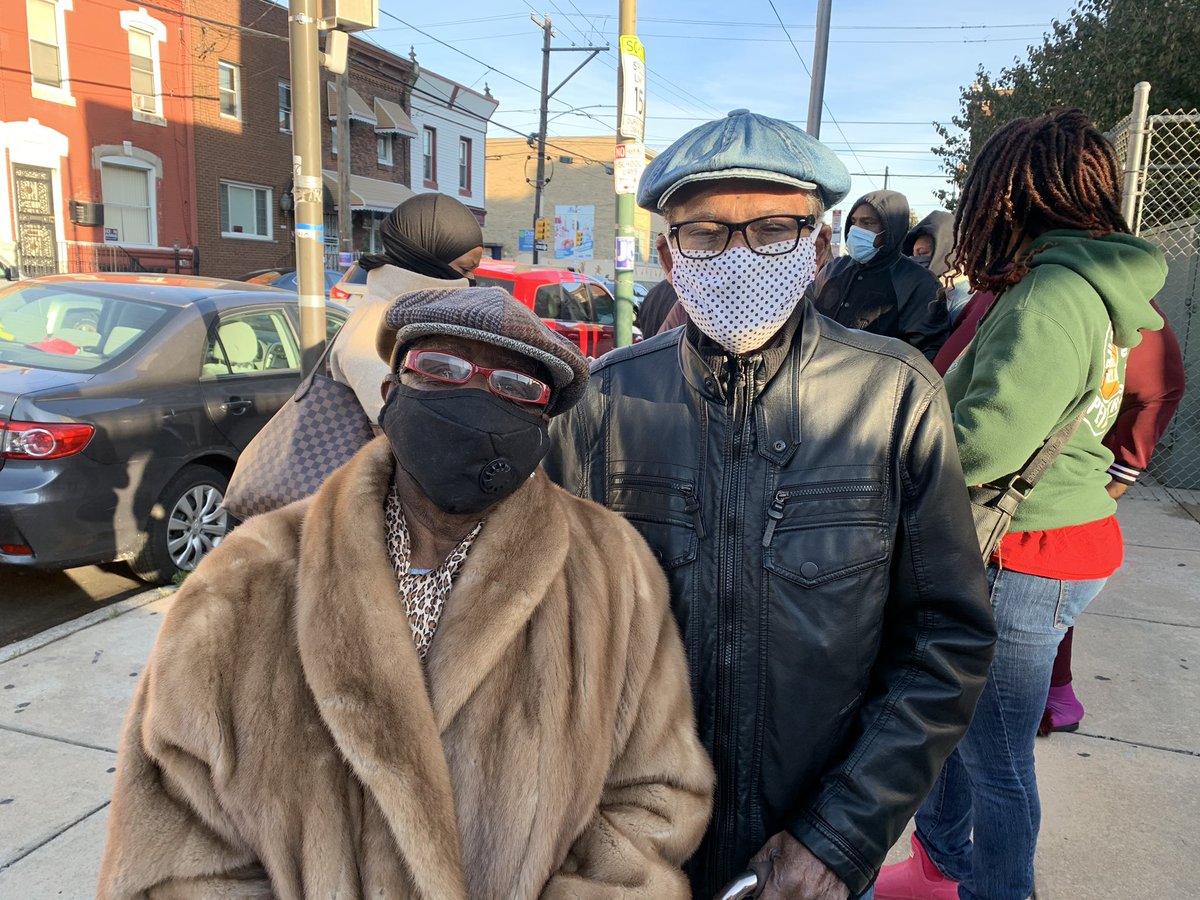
point(887, 170)
point(345, 220)
point(547, 34)
point(540, 185)
point(307, 187)
point(629, 160)
point(816, 92)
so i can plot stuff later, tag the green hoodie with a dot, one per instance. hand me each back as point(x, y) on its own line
point(1043, 354)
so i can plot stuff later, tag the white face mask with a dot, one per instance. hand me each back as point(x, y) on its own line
point(741, 299)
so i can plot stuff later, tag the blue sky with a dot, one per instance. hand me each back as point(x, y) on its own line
point(889, 63)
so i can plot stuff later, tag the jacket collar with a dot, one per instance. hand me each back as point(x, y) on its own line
point(358, 655)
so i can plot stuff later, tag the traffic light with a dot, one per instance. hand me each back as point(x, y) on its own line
point(541, 230)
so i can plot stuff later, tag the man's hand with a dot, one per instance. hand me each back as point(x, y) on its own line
point(796, 874)
point(1117, 489)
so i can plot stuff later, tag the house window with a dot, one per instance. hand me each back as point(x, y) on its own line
point(429, 155)
point(285, 106)
point(128, 202)
point(383, 149)
point(45, 45)
point(48, 50)
point(464, 165)
point(245, 211)
point(229, 85)
point(143, 77)
point(145, 68)
point(333, 141)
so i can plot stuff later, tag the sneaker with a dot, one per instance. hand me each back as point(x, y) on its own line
point(1063, 712)
point(917, 878)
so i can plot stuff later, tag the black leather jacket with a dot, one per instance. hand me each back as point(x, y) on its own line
point(809, 509)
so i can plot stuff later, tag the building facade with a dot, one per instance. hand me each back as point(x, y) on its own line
point(451, 123)
point(95, 137)
point(579, 200)
point(243, 138)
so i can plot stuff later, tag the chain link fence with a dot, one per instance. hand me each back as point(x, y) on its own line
point(1161, 157)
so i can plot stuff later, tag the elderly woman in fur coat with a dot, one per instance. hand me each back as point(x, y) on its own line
point(439, 677)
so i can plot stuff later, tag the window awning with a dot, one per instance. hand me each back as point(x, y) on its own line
point(392, 118)
point(359, 110)
point(372, 194)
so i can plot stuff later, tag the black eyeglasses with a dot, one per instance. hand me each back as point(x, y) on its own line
point(766, 236)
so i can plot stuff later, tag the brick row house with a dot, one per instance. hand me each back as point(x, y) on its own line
point(160, 138)
point(95, 137)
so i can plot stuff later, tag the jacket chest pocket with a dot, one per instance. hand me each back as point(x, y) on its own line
point(665, 511)
point(819, 533)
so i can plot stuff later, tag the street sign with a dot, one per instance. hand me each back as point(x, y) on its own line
point(525, 240)
point(633, 88)
point(629, 161)
point(542, 246)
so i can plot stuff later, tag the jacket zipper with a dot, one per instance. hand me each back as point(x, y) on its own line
point(691, 502)
point(726, 631)
point(814, 492)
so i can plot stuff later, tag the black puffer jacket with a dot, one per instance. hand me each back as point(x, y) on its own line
point(890, 295)
point(807, 504)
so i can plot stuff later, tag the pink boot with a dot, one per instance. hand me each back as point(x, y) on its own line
point(1064, 712)
point(917, 878)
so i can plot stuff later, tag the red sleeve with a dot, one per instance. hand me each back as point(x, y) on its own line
point(1154, 384)
point(963, 332)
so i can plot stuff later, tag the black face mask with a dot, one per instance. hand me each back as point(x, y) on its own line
point(467, 449)
point(922, 261)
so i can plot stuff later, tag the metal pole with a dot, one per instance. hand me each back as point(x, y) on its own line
point(306, 176)
point(886, 172)
point(547, 33)
point(345, 222)
point(623, 277)
point(1131, 195)
point(816, 92)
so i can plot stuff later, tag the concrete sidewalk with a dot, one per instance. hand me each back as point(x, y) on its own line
point(1121, 798)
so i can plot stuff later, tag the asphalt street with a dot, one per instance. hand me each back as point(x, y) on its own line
point(31, 602)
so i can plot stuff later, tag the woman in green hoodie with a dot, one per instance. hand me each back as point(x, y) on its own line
point(1039, 224)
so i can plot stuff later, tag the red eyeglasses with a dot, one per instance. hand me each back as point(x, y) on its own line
point(447, 368)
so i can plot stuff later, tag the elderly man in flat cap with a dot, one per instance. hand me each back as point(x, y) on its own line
point(800, 485)
point(439, 677)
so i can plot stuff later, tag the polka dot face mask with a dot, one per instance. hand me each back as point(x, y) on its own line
point(740, 299)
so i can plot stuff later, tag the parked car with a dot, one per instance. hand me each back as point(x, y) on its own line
point(577, 306)
point(124, 402)
point(286, 278)
point(351, 287)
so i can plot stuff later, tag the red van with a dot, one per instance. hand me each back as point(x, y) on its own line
point(577, 306)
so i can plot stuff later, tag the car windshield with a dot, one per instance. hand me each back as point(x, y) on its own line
point(69, 327)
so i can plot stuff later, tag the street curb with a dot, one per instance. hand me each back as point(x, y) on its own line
point(19, 648)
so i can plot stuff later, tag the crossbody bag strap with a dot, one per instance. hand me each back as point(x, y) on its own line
point(319, 369)
point(1044, 458)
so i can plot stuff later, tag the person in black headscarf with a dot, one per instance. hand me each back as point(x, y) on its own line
point(429, 241)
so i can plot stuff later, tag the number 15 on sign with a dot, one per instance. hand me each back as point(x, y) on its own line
point(633, 88)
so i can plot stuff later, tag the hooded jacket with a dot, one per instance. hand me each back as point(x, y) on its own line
point(353, 358)
point(890, 295)
point(808, 507)
point(1051, 347)
point(939, 225)
point(285, 741)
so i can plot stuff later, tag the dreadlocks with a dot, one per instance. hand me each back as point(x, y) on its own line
point(1034, 174)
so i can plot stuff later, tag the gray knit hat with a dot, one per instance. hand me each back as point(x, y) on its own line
point(491, 315)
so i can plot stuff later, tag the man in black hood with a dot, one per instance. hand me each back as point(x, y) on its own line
point(930, 241)
point(875, 288)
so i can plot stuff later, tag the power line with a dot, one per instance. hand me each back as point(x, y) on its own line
point(800, 57)
point(721, 23)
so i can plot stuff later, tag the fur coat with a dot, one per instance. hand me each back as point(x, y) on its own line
point(285, 742)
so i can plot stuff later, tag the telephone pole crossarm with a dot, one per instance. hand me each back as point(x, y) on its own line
point(594, 52)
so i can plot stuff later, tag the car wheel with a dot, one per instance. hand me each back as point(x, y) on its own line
point(186, 523)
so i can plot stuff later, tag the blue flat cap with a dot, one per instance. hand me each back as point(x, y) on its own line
point(745, 145)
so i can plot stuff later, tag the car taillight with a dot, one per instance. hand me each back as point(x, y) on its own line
point(43, 440)
point(336, 293)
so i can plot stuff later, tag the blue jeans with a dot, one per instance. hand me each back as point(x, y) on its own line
point(988, 784)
